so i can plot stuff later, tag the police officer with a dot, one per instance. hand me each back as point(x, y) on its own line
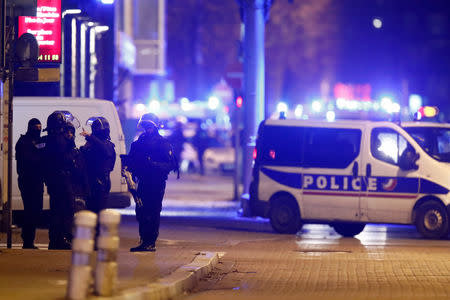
point(100, 157)
point(79, 170)
point(177, 140)
point(78, 175)
point(57, 177)
point(30, 180)
point(150, 161)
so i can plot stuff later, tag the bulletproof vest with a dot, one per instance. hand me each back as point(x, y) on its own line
point(154, 149)
point(100, 162)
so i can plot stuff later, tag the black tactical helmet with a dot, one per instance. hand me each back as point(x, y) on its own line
point(99, 124)
point(147, 120)
point(56, 121)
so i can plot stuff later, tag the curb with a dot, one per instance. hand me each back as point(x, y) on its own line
point(183, 279)
point(215, 221)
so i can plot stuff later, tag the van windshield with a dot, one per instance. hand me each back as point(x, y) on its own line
point(434, 140)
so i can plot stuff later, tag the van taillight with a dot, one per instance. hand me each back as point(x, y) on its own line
point(255, 153)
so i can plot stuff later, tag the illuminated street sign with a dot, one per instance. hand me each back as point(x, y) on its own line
point(46, 27)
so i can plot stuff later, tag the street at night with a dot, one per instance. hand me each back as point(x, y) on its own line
point(216, 150)
point(383, 262)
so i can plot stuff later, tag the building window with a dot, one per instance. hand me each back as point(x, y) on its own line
point(146, 19)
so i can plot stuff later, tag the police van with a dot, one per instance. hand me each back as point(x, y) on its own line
point(350, 173)
point(82, 110)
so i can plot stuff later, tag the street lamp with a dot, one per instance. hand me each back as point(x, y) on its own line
point(63, 59)
point(83, 28)
point(93, 32)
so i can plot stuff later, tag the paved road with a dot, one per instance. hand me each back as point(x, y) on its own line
point(383, 262)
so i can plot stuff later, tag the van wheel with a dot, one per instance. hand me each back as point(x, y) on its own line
point(348, 229)
point(285, 215)
point(432, 220)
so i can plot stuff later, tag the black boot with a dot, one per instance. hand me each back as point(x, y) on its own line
point(60, 245)
point(144, 247)
point(29, 246)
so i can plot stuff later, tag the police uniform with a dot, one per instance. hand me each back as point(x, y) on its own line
point(30, 180)
point(57, 177)
point(100, 158)
point(150, 161)
point(78, 174)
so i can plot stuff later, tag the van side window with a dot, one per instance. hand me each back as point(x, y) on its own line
point(331, 147)
point(281, 145)
point(387, 145)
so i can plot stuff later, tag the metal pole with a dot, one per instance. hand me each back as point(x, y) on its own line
point(92, 62)
point(7, 143)
point(74, 51)
point(237, 151)
point(3, 33)
point(7, 132)
point(62, 68)
point(62, 83)
point(254, 20)
point(83, 29)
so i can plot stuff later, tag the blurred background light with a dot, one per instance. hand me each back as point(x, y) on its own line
point(316, 106)
point(377, 23)
point(386, 103)
point(282, 107)
point(213, 102)
point(154, 106)
point(298, 111)
point(331, 116)
point(415, 102)
point(185, 104)
point(340, 103)
point(140, 107)
point(395, 107)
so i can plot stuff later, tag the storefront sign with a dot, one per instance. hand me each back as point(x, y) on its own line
point(46, 26)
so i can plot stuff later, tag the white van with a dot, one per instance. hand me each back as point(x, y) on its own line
point(25, 108)
point(349, 173)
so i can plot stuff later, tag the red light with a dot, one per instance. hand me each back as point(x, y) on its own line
point(255, 153)
point(427, 111)
point(239, 101)
point(272, 154)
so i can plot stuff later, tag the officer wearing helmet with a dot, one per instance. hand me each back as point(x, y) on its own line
point(150, 161)
point(100, 157)
point(57, 177)
point(30, 179)
point(78, 172)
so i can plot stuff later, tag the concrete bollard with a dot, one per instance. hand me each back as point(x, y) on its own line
point(108, 245)
point(82, 246)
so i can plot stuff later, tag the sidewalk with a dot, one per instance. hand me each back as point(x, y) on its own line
point(43, 274)
point(204, 201)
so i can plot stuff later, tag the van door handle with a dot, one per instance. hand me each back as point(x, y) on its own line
point(368, 170)
point(355, 169)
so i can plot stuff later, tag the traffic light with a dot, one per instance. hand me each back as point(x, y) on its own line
point(239, 101)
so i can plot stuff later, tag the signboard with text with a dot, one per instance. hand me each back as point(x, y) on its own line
point(360, 92)
point(46, 27)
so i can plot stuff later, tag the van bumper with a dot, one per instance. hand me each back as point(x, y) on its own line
point(119, 200)
point(260, 208)
point(257, 207)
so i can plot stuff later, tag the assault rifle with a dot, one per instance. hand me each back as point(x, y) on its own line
point(129, 179)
